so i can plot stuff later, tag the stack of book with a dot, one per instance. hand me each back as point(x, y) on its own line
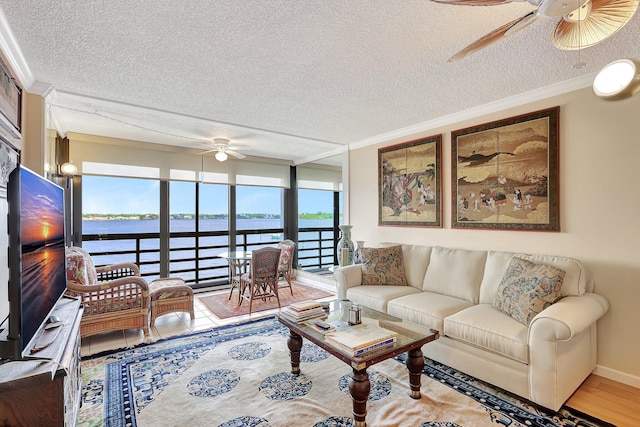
point(360, 339)
point(303, 311)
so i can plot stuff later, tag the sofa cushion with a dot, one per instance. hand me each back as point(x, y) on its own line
point(383, 266)
point(426, 308)
point(528, 288)
point(376, 296)
point(485, 327)
point(576, 280)
point(416, 261)
point(455, 272)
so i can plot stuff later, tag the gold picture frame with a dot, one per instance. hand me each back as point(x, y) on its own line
point(10, 100)
point(505, 174)
point(409, 183)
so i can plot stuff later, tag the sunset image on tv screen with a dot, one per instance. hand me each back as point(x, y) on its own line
point(42, 216)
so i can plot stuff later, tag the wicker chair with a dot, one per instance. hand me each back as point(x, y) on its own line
point(285, 267)
point(114, 297)
point(262, 281)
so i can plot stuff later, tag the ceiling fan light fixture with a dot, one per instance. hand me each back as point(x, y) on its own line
point(592, 23)
point(559, 7)
point(619, 79)
point(221, 156)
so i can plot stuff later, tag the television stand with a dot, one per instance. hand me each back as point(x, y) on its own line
point(50, 376)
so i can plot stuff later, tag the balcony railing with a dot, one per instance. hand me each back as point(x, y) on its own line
point(195, 256)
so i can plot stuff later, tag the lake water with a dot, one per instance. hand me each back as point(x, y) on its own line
point(107, 227)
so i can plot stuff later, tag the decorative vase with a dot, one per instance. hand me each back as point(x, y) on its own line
point(357, 257)
point(345, 246)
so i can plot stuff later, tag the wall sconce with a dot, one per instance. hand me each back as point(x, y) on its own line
point(68, 169)
point(618, 80)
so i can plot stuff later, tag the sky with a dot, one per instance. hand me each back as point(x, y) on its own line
point(106, 195)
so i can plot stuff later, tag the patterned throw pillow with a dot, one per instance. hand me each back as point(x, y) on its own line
point(80, 267)
point(527, 288)
point(383, 266)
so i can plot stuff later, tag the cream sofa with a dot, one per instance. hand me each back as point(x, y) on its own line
point(453, 291)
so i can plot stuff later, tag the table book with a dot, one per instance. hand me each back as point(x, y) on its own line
point(303, 311)
point(359, 339)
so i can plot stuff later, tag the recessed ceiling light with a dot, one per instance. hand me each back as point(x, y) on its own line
point(618, 80)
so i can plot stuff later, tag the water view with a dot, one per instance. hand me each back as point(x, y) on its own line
point(210, 266)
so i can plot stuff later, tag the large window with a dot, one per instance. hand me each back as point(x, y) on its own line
point(315, 216)
point(258, 209)
point(112, 206)
point(213, 211)
point(120, 205)
point(182, 219)
point(121, 223)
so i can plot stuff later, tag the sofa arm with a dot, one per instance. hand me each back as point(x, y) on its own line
point(568, 317)
point(563, 347)
point(347, 277)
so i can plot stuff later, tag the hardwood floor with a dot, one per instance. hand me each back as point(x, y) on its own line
point(608, 400)
point(598, 396)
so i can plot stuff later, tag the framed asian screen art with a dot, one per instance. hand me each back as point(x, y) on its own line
point(409, 183)
point(505, 174)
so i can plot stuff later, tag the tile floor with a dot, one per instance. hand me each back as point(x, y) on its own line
point(172, 324)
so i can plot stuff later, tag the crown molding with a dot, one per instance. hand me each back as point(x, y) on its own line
point(41, 88)
point(12, 52)
point(492, 107)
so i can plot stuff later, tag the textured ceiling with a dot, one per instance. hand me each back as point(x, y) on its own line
point(290, 79)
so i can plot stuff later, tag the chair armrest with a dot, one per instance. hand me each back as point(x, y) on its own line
point(136, 281)
point(114, 271)
point(567, 317)
point(347, 277)
point(109, 298)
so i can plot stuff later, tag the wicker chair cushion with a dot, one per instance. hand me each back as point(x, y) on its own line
point(169, 288)
point(80, 267)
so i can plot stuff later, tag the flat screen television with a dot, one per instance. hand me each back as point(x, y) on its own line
point(37, 268)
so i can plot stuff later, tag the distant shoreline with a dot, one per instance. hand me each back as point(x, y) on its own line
point(138, 217)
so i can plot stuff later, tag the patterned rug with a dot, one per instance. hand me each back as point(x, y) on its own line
point(223, 307)
point(240, 376)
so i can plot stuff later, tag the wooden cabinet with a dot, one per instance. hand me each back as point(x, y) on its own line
point(46, 392)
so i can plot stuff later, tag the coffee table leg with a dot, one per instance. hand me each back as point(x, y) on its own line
point(359, 387)
point(295, 345)
point(415, 363)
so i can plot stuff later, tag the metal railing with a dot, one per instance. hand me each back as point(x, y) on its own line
point(194, 256)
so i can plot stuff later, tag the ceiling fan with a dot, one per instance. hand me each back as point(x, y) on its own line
point(583, 23)
point(223, 150)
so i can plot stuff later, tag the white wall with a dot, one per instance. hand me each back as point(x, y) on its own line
point(599, 212)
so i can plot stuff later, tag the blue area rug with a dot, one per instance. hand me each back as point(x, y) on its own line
point(240, 376)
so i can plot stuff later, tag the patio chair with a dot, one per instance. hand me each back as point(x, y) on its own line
point(262, 280)
point(114, 297)
point(285, 268)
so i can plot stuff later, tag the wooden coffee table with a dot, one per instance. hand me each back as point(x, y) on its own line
point(410, 339)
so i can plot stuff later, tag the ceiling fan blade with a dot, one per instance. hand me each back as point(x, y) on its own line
point(236, 155)
point(604, 19)
point(208, 151)
point(523, 23)
point(494, 36)
point(239, 147)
